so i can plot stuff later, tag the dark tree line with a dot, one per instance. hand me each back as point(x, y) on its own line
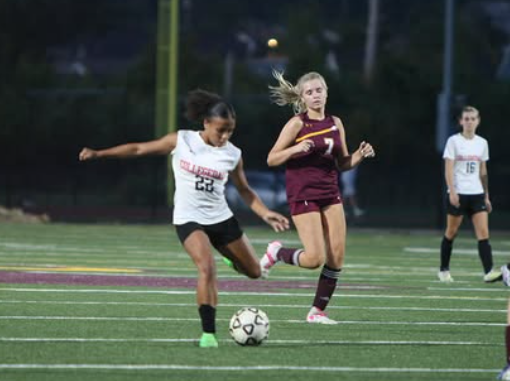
point(46, 117)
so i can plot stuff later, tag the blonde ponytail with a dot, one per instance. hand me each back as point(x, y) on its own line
point(287, 94)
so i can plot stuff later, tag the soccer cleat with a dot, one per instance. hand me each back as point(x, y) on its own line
point(505, 373)
point(317, 316)
point(270, 258)
point(492, 276)
point(505, 273)
point(444, 276)
point(208, 340)
point(229, 263)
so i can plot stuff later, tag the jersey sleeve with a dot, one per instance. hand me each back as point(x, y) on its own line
point(449, 150)
point(180, 136)
point(485, 154)
point(238, 154)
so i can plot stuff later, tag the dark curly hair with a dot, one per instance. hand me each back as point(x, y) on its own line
point(201, 104)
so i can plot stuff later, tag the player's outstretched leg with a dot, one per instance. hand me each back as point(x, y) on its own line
point(505, 274)
point(270, 258)
point(446, 255)
point(230, 264)
point(325, 289)
point(485, 253)
point(505, 373)
point(492, 276)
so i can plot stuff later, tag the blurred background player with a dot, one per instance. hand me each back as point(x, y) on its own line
point(466, 155)
point(202, 162)
point(312, 144)
point(349, 193)
point(505, 373)
point(505, 274)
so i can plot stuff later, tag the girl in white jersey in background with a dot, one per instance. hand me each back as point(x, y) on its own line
point(465, 157)
point(202, 161)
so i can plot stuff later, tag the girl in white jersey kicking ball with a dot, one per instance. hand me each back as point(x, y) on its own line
point(466, 155)
point(202, 162)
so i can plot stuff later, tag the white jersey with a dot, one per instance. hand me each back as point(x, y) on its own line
point(467, 155)
point(201, 172)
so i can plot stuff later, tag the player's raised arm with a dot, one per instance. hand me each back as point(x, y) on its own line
point(275, 220)
point(346, 160)
point(162, 146)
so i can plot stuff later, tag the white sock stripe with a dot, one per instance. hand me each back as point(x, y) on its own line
point(333, 274)
point(295, 256)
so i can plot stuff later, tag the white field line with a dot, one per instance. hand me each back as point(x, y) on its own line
point(286, 306)
point(224, 274)
point(253, 293)
point(170, 319)
point(470, 289)
point(159, 340)
point(152, 367)
point(474, 252)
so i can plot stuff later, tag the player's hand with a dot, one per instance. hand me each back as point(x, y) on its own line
point(87, 154)
point(305, 146)
point(454, 199)
point(366, 150)
point(278, 222)
point(488, 204)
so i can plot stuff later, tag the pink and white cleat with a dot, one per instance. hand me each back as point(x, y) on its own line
point(318, 316)
point(270, 258)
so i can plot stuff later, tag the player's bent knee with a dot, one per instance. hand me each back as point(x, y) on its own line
point(451, 234)
point(315, 263)
point(206, 273)
point(254, 273)
point(480, 236)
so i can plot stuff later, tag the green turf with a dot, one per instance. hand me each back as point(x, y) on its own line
point(398, 321)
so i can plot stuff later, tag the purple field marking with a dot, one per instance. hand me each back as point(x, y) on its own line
point(162, 282)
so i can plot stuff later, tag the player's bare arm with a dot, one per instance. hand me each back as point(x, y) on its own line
point(484, 178)
point(275, 220)
point(346, 160)
point(448, 174)
point(162, 146)
point(285, 146)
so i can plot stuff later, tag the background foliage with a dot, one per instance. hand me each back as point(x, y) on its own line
point(47, 116)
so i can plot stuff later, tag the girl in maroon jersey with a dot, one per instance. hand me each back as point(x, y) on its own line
point(312, 145)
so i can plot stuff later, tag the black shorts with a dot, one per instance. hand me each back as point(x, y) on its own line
point(220, 234)
point(469, 204)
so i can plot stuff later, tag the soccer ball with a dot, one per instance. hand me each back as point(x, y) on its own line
point(249, 326)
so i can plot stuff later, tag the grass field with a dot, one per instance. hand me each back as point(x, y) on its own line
point(115, 302)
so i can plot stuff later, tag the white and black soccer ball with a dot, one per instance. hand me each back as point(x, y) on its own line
point(249, 326)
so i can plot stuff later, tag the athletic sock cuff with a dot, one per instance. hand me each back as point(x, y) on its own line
point(329, 272)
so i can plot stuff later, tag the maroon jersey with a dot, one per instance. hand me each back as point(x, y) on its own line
point(313, 175)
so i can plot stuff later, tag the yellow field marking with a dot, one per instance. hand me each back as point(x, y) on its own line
point(72, 269)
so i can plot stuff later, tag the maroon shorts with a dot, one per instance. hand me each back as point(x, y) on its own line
point(307, 206)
